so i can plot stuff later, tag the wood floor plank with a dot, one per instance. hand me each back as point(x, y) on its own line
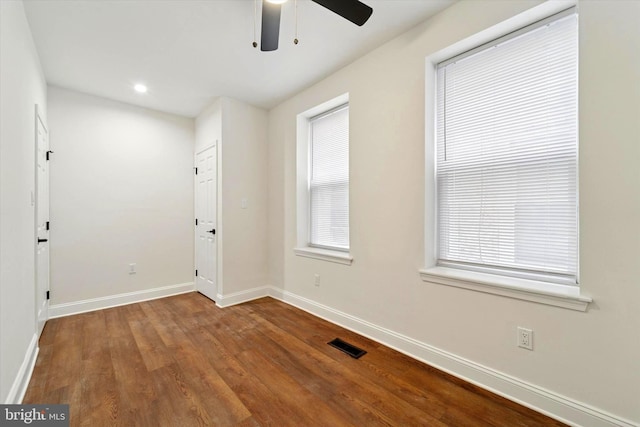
point(133, 382)
point(36, 389)
point(440, 388)
point(151, 347)
point(266, 407)
point(183, 406)
point(183, 361)
point(66, 354)
point(166, 328)
point(94, 403)
point(209, 385)
point(294, 395)
point(357, 387)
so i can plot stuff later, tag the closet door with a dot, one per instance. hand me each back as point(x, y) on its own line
point(206, 208)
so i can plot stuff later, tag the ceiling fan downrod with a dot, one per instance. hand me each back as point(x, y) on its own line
point(255, 19)
point(295, 8)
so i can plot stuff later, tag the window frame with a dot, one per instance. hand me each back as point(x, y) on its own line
point(568, 276)
point(303, 247)
point(310, 162)
point(560, 295)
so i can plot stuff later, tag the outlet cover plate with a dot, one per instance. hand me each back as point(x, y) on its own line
point(525, 338)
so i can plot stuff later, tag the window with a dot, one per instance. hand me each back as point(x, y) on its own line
point(323, 182)
point(329, 179)
point(507, 152)
point(506, 159)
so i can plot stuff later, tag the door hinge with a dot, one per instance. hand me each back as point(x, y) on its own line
point(48, 295)
point(48, 154)
point(196, 221)
point(196, 273)
point(196, 169)
point(47, 225)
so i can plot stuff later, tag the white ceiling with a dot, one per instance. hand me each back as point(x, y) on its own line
point(190, 51)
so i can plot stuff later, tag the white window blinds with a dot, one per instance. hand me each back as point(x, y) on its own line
point(329, 179)
point(507, 151)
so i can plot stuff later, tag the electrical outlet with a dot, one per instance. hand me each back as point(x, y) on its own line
point(525, 338)
point(317, 280)
point(132, 268)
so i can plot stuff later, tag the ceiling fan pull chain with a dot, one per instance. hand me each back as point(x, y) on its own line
point(255, 18)
point(295, 7)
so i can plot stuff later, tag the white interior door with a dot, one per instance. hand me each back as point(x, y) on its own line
point(206, 233)
point(42, 223)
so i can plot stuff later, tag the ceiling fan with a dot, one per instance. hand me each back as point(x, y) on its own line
point(352, 10)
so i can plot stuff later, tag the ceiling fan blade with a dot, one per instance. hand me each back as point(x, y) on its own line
point(270, 26)
point(353, 10)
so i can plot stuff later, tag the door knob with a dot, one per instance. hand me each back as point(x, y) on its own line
point(212, 231)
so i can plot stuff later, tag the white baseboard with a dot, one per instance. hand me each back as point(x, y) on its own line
point(537, 398)
point(21, 382)
point(77, 307)
point(223, 301)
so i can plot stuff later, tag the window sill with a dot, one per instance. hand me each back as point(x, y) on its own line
point(529, 290)
point(325, 255)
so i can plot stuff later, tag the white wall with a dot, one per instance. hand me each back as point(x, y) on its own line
point(208, 126)
point(121, 193)
point(589, 357)
point(244, 175)
point(241, 130)
point(22, 86)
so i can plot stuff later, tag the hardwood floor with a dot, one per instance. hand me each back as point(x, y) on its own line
point(182, 361)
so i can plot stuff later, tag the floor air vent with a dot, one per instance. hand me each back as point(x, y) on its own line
point(351, 350)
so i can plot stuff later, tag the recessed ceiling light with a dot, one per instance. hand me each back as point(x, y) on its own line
point(277, 1)
point(140, 88)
